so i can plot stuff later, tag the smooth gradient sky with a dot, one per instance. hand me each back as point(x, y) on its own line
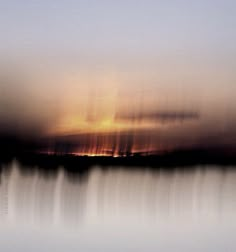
point(71, 66)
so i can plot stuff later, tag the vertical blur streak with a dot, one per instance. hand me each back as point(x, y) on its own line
point(31, 197)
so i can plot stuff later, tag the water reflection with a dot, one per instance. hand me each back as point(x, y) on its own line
point(35, 197)
point(117, 209)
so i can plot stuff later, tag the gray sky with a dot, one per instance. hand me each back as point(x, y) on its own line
point(147, 27)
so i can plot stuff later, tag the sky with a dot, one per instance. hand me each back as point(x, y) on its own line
point(79, 67)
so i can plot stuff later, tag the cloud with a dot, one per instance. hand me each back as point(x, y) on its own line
point(158, 116)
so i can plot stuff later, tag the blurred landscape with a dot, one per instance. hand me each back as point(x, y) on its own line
point(117, 125)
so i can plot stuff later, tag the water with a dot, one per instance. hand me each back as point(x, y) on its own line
point(118, 209)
